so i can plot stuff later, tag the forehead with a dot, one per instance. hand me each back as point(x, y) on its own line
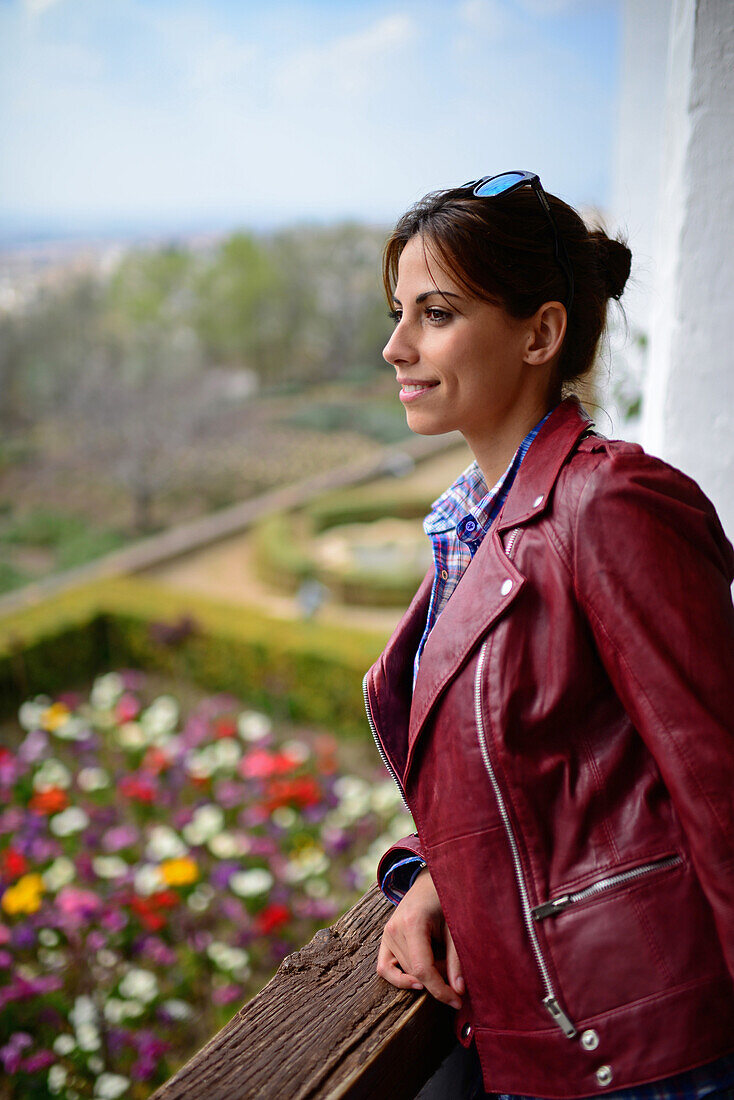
point(419, 269)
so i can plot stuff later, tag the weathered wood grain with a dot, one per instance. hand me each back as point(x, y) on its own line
point(326, 1027)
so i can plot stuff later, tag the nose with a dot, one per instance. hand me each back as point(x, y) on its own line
point(400, 348)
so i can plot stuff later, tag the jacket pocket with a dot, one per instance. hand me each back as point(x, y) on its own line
point(557, 905)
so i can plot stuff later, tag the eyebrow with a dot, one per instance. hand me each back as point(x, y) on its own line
point(427, 294)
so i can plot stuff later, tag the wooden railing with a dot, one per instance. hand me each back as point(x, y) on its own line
point(326, 1026)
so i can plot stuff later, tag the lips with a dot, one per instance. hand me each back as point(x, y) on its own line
point(413, 388)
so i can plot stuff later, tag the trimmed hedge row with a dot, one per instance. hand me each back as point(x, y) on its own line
point(281, 545)
point(306, 671)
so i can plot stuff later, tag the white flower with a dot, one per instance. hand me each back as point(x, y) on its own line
point(200, 764)
point(110, 1086)
point(64, 1044)
point(228, 845)
point(317, 888)
point(52, 773)
point(148, 879)
point(49, 937)
point(248, 884)
point(207, 821)
point(177, 1009)
point(73, 729)
point(164, 843)
point(87, 1037)
point(253, 726)
point(309, 861)
point(201, 898)
point(61, 872)
point(354, 797)
point(109, 866)
point(56, 1078)
point(130, 735)
point(71, 820)
point(116, 1011)
point(385, 797)
point(50, 959)
point(297, 751)
point(160, 718)
point(139, 983)
point(226, 957)
point(107, 958)
point(106, 690)
point(226, 753)
point(95, 1064)
point(32, 710)
point(93, 779)
point(284, 817)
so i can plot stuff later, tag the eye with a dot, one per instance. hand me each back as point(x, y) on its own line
point(395, 315)
point(437, 316)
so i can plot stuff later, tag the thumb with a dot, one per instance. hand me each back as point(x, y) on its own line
point(453, 966)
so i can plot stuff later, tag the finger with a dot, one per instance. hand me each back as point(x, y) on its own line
point(423, 968)
point(453, 966)
point(390, 969)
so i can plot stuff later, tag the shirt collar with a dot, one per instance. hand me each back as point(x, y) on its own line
point(469, 495)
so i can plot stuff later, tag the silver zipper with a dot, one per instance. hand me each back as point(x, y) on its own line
point(373, 728)
point(511, 540)
point(550, 1000)
point(557, 905)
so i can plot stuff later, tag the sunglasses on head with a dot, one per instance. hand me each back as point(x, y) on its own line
point(490, 186)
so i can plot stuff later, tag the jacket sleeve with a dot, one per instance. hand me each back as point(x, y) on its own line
point(653, 569)
point(399, 866)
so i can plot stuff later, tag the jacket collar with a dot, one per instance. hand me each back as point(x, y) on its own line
point(481, 597)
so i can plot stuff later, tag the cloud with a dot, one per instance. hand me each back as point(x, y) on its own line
point(348, 64)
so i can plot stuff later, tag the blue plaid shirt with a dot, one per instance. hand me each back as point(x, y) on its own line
point(456, 525)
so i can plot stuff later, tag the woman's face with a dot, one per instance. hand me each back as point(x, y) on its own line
point(459, 361)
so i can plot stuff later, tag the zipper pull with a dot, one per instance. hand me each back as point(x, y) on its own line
point(550, 908)
point(559, 1017)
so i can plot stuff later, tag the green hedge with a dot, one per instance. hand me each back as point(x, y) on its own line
point(304, 670)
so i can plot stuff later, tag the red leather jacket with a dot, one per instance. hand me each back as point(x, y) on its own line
point(568, 758)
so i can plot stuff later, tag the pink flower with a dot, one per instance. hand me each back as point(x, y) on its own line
point(78, 905)
point(226, 994)
point(128, 707)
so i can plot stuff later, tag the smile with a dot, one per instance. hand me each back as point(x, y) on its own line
point(409, 391)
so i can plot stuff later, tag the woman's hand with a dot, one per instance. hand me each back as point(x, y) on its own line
point(407, 956)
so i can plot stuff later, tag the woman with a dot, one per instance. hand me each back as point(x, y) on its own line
point(556, 705)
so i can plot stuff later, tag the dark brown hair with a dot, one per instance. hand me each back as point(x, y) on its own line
point(500, 250)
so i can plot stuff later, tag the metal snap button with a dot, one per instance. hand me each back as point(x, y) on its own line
point(466, 1031)
point(444, 575)
point(590, 1039)
point(537, 501)
point(604, 1076)
point(506, 586)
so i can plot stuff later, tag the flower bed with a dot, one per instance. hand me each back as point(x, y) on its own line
point(154, 869)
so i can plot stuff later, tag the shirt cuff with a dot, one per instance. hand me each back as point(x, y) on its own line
point(400, 877)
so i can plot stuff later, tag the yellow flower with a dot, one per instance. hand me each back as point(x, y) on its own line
point(54, 716)
point(24, 896)
point(179, 872)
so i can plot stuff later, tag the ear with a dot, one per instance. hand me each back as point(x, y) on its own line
point(546, 330)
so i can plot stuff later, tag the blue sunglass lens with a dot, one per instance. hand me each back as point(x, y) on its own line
point(499, 184)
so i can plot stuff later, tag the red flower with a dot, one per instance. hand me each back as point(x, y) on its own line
point(14, 864)
point(301, 792)
point(50, 801)
point(140, 789)
point(271, 917)
point(224, 727)
point(155, 760)
point(128, 708)
point(259, 764)
point(149, 910)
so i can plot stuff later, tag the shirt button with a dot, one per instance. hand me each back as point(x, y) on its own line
point(538, 501)
point(590, 1039)
point(506, 586)
point(466, 1031)
point(604, 1076)
point(444, 575)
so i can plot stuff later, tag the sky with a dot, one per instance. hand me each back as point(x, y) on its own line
point(206, 114)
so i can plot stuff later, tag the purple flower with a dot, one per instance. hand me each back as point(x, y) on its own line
point(11, 819)
point(42, 1059)
point(114, 920)
point(229, 793)
point(121, 836)
point(222, 872)
point(132, 678)
point(23, 936)
point(157, 951)
point(6, 959)
point(226, 994)
point(11, 1053)
point(34, 746)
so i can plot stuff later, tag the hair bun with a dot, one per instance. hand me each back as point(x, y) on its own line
point(615, 263)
